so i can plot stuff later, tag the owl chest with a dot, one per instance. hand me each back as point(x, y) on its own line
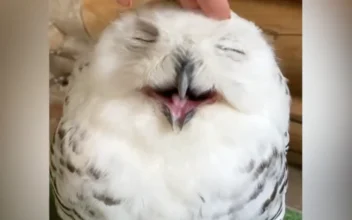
point(171, 180)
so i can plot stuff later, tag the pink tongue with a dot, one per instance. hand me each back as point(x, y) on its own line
point(179, 107)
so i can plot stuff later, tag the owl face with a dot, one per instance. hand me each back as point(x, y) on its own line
point(183, 61)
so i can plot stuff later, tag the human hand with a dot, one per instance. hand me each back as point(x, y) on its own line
point(218, 9)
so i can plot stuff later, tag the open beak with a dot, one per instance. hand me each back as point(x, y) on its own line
point(179, 110)
point(180, 104)
point(178, 121)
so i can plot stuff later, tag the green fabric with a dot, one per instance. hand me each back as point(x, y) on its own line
point(293, 215)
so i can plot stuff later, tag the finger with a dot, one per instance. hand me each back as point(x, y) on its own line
point(189, 4)
point(218, 9)
point(125, 3)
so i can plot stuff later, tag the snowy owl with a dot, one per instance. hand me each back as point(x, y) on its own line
point(174, 116)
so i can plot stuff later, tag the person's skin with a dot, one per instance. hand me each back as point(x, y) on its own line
point(218, 9)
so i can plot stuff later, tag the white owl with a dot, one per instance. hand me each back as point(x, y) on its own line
point(174, 116)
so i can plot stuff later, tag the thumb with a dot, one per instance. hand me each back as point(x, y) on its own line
point(218, 9)
point(126, 3)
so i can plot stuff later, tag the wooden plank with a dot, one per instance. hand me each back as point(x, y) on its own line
point(289, 53)
point(281, 17)
point(295, 137)
point(296, 109)
point(97, 14)
point(55, 113)
point(294, 159)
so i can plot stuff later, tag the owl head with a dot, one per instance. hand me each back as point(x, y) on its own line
point(183, 62)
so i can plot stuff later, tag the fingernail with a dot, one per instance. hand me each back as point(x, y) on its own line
point(223, 16)
point(125, 3)
point(219, 17)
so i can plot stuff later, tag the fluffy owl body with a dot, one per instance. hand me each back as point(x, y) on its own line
point(174, 116)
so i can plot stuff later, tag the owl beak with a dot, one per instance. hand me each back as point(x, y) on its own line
point(183, 81)
point(187, 110)
point(178, 121)
point(180, 104)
